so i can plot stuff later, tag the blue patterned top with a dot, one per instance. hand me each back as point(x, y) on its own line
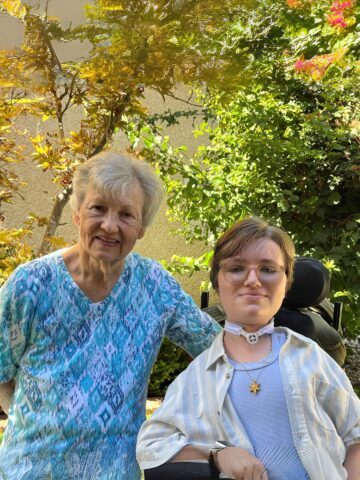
point(82, 368)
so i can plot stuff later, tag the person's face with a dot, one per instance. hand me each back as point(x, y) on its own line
point(108, 229)
point(252, 284)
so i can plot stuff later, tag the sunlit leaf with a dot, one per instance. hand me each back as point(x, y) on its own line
point(14, 8)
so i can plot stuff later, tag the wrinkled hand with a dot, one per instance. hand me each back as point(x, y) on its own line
point(239, 464)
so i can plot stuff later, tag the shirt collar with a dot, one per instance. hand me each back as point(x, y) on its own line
point(216, 351)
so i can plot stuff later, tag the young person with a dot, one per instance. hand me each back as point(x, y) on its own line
point(262, 402)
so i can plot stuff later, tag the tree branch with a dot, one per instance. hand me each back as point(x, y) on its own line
point(62, 199)
point(54, 220)
point(116, 114)
point(169, 94)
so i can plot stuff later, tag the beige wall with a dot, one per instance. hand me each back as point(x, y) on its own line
point(39, 190)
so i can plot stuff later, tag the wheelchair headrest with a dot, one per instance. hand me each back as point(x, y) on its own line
point(310, 286)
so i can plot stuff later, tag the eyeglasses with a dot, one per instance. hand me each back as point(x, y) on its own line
point(237, 273)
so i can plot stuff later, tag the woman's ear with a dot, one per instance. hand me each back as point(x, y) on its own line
point(76, 217)
point(141, 232)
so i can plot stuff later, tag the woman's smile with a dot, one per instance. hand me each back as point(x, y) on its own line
point(109, 242)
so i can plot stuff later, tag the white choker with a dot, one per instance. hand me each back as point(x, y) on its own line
point(251, 337)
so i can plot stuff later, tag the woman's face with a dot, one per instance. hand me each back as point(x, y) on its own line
point(109, 229)
point(252, 284)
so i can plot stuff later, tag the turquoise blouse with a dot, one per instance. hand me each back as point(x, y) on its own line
point(82, 368)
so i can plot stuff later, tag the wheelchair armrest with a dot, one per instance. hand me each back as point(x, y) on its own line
point(183, 471)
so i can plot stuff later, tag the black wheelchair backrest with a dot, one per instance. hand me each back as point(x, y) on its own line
point(310, 286)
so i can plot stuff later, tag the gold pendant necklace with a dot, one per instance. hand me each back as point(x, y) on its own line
point(255, 386)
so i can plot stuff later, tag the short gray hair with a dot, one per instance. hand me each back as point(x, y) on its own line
point(110, 173)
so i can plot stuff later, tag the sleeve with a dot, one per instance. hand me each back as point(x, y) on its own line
point(189, 327)
point(163, 435)
point(16, 313)
point(346, 412)
point(338, 400)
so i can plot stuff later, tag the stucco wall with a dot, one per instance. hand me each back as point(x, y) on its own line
point(39, 190)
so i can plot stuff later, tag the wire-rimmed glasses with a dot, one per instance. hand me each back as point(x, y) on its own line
point(236, 272)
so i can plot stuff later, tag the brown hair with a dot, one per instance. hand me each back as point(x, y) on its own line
point(241, 234)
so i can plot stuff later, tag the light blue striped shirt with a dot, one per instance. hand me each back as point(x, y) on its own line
point(323, 409)
point(270, 434)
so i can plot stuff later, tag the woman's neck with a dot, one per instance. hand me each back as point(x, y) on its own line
point(95, 278)
point(238, 349)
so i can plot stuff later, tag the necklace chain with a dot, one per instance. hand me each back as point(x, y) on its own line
point(255, 386)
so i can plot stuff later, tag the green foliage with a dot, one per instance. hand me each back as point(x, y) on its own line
point(284, 146)
point(170, 362)
point(14, 250)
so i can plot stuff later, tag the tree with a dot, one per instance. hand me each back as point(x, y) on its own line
point(284, 145)
point(135, 45)
point(12, 248)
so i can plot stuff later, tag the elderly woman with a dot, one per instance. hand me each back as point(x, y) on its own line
point(80, 329)
point(260, 403)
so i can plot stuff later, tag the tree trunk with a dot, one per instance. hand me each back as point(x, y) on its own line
point(54, 220)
